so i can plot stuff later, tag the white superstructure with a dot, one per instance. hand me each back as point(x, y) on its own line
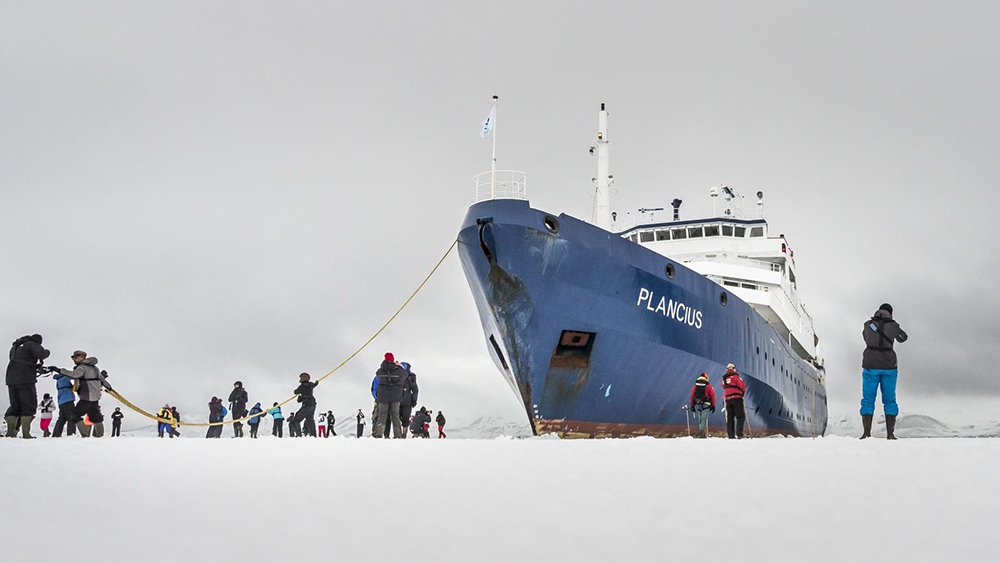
point(739, 254)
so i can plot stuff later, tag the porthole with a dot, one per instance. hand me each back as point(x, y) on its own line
point(670, 271)
point(758, 350)
point(724, 298)
point(551, 223)
point(772, 362)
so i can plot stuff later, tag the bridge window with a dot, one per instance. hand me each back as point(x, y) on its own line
point(695, 232)
point(646, 236)
point(727, 230)
point(679, 234)
point(663, 234)
point(711, 230)
point(757, 231)
point(740, 232)
point(633, 237)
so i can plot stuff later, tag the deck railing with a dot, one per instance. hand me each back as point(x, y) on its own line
point(509, 184)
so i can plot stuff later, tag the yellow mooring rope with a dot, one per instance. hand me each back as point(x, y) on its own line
point(130, 405)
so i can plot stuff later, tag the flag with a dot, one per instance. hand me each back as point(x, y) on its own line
point(488, 123)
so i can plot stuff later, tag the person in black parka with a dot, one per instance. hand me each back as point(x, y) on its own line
point(238, 400)
point(879, 369)
point(388, 396)
point(410, 394)
point(26, 356)
point(419, 425)
point(305, 417)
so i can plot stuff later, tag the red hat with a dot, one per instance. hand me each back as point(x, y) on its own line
point(389, 358)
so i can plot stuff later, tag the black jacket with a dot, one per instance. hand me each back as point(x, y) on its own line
point(238, 399)
point(879, 333)
point(390, 383)
point(419, 420)
point(305, 392)
point(410, 390)
point(440, 419)
point(26, 354)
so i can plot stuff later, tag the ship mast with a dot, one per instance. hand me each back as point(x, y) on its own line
point(602, 198)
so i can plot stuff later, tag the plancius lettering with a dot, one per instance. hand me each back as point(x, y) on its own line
point(669, 308)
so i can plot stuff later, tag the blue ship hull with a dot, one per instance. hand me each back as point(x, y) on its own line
point(597, 340)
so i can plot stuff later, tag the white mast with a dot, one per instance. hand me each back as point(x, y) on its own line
point(493, 164)
point(602, 199)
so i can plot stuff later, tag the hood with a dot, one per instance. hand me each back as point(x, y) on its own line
point(91, 361)
point(386, 364)
point(215, 400)
point(882, 314)
point(405, 365)
point(256, 406)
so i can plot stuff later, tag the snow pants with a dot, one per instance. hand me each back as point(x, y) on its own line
point(404, 417)
point(45, 422)
point(116, 428)
point(23, 400)
point(361, 430)
point(276, 429)
point(703, 419)
point(388, 412)
point(322, 430)
point(736, 415)
point(253, 429)
point(872, 379)
point(90, 409)
point(65, 415)
point(441, 433)
point(304, 419)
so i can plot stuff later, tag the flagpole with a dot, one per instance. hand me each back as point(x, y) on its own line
point(493, 164)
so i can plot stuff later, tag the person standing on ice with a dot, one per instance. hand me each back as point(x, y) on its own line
point(278, 420)
point(322, 425)
point(441, 420)
point(410, 394)
point(238, 400)
point(66, 399)
point(388, 395)
point(90, 381)
point(216, 414)
point(879, 368)
point(47, 406)
point(116, 422)
point(305, 418)
point(26, 356)
point(166, 422)
point(330, 421)
point(294, 430)
point(703, 402)
point(174, 432)
point(255, 421)
point(734, 388)
point(361, 423)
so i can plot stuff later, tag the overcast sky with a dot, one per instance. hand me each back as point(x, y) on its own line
point(201, 192)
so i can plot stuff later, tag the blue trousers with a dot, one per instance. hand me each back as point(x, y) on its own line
point(872, 379)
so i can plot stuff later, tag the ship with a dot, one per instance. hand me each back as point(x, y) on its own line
point(601, 327)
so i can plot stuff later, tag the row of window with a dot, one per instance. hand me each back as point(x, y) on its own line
point(701, 231)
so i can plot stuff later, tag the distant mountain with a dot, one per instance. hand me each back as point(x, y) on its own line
point(912, 426)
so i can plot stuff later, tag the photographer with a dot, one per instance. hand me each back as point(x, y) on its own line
point(26, 357)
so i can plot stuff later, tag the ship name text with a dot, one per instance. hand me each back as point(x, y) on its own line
point(675, 310)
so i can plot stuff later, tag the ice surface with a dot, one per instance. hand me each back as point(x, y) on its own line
point(344, 499)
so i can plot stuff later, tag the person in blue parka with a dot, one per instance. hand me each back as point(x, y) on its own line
point(255, 421)
point(66, 399)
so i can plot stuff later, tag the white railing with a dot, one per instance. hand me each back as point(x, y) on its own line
point(509, 184)
point(720, 211)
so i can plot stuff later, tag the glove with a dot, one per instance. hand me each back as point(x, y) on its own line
point(713, 409)
point(53, 369)
point(104, 373)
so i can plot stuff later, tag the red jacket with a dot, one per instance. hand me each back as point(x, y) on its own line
point(733, 385)
point(709, 395)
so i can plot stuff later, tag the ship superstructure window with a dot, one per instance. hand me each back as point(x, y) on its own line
point(646, 236)
point(663, 234)
point(757, 231)
point(740, 232)
point(727, 230)
point(711, 230)
point(695, 232)
point(679, 234)
point(633, 237)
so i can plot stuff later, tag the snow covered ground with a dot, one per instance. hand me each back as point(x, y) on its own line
point(541, 499)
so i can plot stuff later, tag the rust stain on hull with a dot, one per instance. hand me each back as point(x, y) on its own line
point(581, 429)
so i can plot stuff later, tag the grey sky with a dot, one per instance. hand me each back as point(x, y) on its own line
point(203, 192)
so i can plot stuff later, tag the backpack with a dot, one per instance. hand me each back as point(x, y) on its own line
point(700, 394)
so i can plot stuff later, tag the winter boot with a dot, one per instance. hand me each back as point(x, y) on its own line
point(84, 429)
point(99, 430)
point(866, 421)
point(890, 426)
point(47, 433)
point(26, 427)
point(11, 426)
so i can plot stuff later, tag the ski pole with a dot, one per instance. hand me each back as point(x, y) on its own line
point(687, 415)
